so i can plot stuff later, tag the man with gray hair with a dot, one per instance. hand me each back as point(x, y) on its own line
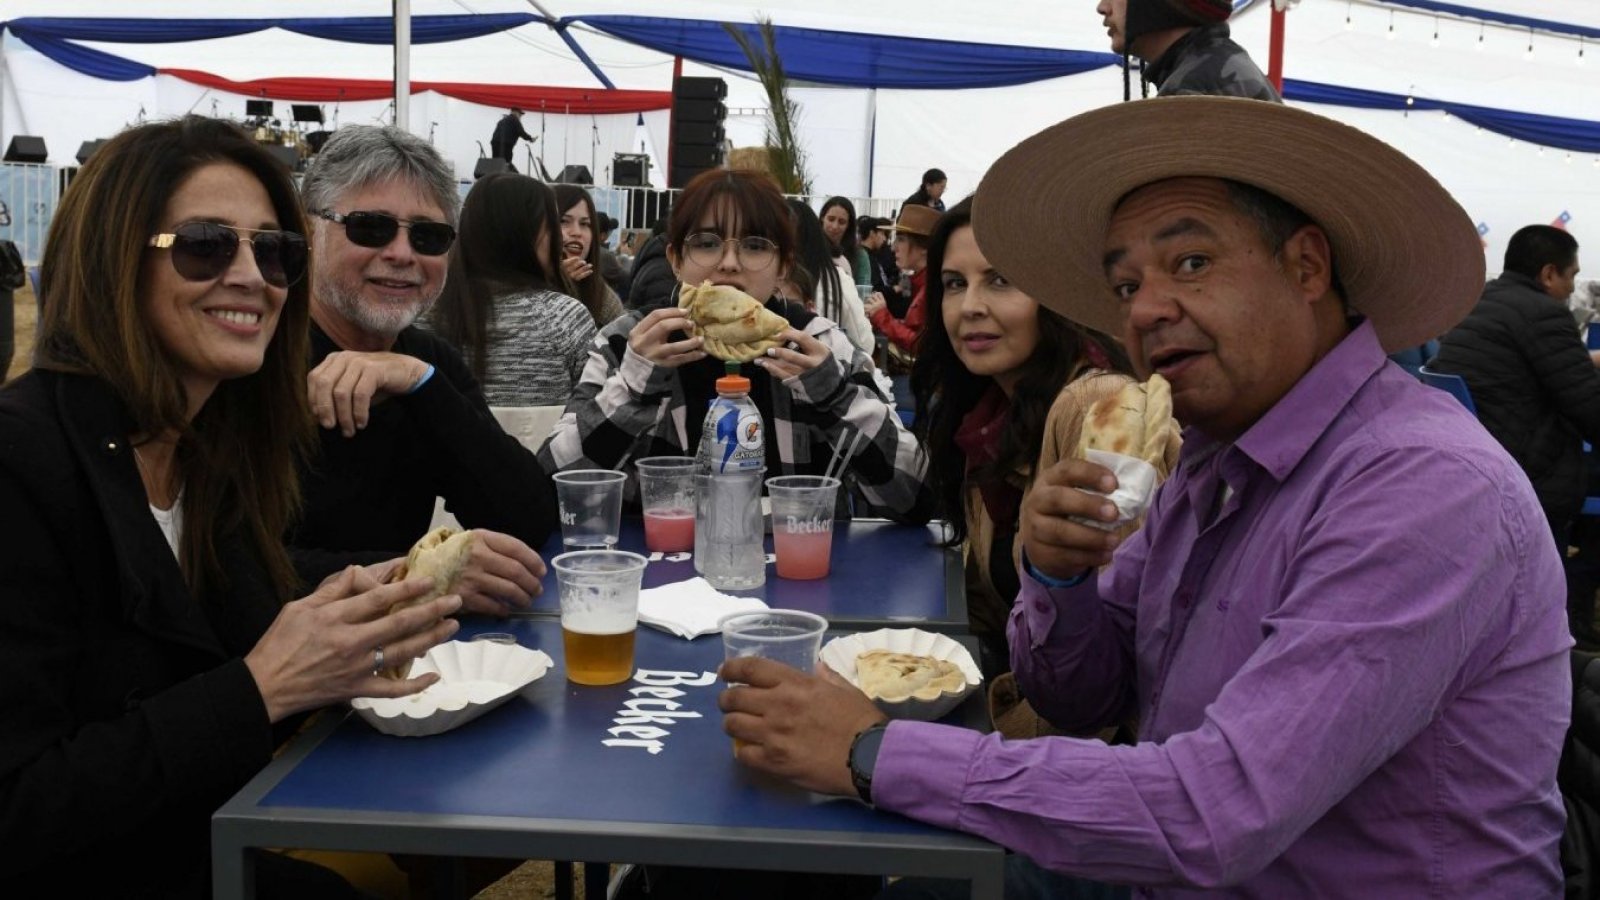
point(403, 420)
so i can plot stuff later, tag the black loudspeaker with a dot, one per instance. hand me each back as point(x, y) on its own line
point(697, 132)
point(26, 148)
point(630, 170)
point(288, 157)
point(575, 175)
point(489, 165)
point(261, 109)
point(88, 149)
point(315, 140)
point(702, 88)
point(707, 133)
point(306, 112)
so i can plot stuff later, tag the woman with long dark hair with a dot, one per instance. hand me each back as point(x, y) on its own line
point(838, 217)
point(931, 191)
point(834, 298)
point(503, 306)
point(151, 653)
point(1001, 387)
point(581, 254)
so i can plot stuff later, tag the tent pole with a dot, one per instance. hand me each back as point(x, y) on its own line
point(672, 118)
point(872, 136)
point(1275, 51)
point(402, 64)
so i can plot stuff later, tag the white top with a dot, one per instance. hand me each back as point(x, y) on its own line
point(170, 522)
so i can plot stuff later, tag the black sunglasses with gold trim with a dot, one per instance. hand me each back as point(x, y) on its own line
point(202, 251)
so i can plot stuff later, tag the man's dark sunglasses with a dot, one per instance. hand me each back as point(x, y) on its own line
point(373, 229)
point(202, 251)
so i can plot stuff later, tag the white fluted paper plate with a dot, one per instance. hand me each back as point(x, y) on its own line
point(840, 655)
point(474, 677)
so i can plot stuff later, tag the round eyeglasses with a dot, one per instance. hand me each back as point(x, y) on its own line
point(707, 249)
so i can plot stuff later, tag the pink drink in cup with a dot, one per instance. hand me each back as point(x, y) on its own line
point(666, 494)
point(802, 524)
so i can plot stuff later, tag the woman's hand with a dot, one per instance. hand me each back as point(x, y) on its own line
point(782, 363)
point(576, 268)
point(873, 303)
point(651, 338)
point(322, 649)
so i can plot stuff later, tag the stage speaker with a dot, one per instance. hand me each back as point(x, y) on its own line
point(489, 165)
point(701, 88)
point(575, 175)
point(88, 149)
point(697, 132)
point(630, 170)
point(26, 148)
point(315, 140)
point(288, 157)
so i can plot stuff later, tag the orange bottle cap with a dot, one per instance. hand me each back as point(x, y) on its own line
point(733, 384)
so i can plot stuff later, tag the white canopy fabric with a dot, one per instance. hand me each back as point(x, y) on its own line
point(876, 143)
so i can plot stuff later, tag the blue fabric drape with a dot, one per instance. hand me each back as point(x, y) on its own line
point(353, 29)
point(1489, 15)
point(855, 60)
point(1550, 131)
point(86, 60)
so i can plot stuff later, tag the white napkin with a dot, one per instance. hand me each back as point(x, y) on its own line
point(690, 608)
point(1136, 487)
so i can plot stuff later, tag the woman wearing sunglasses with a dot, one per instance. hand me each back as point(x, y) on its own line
point(525, 341)
point(150, 657)
point(581, 260)
point(649, 379)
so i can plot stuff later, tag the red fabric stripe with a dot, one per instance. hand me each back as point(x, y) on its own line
point(326, 90)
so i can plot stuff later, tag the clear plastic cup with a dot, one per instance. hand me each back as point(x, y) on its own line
point(666, 494)
point(599, 613)
point(802, 524)
point(788, 636)
point(865, 291)
point(591, 507)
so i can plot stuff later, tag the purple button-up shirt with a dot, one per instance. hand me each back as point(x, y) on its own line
point(1345, 637)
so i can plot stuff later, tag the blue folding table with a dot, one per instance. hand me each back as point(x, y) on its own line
point(536, 779)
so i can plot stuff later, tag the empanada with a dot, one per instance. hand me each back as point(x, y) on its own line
point(891, 676)
point(441, 555)
point(1136, 421)
point(735, 326)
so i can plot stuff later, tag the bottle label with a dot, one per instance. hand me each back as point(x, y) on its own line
point(734, 436)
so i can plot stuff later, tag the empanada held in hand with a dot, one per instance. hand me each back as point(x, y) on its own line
point(442, 556)
point(734, 326)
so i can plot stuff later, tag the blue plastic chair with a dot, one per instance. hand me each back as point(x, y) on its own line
point(1454, 385)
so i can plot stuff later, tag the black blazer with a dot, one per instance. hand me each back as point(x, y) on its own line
point(129, 713)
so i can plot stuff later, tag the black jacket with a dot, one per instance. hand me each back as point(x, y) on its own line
point(1536, 389)
point(506, 133)
point(652, 284)
point(369, 497)
point(1579, 778)
point(129, 713)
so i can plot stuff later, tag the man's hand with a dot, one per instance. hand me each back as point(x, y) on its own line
point(1055, 545)
point(782, 363)
point(651, 338)
point(345, 386)
point(794, 725)
point(501, 575)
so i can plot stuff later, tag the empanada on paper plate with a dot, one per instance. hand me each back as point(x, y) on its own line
point(887, 675)
point(442, 556)
point(735, 326)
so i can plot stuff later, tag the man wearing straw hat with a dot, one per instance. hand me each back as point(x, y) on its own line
point(1342, 624)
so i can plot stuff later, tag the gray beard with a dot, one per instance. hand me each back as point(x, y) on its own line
point(388, 319)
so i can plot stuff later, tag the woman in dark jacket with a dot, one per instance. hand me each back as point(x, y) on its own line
point(148, 661)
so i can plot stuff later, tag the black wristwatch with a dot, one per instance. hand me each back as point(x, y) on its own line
point(864, 758)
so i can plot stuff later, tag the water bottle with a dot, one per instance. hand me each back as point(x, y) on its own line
point(728, 548)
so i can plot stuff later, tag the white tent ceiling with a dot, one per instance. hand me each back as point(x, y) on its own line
point(1501, 183)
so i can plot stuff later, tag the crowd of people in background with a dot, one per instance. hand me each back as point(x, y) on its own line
point(1332, 658)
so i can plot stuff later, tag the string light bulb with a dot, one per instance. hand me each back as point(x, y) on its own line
point(1481, 27)
point(1390, 35)
point(1348, 25)
point(1435, 41)
point(1528, 54)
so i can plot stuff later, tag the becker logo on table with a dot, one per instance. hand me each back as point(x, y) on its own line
point(654, 704)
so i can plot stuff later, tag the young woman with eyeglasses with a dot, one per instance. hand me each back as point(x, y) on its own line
point(502, 307)
point(151, 658)
point(648, 382)
point(581, 254)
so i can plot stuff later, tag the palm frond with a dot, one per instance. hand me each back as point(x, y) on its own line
point(786, 159)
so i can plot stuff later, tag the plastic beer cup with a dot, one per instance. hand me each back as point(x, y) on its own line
point(788, 636)
point(591, 507)
point(599, 613)
point(802, 524)
point(666, 494)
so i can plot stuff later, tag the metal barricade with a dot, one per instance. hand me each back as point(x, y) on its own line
point(29, 192)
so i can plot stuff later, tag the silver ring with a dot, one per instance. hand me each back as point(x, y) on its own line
point(377, 660)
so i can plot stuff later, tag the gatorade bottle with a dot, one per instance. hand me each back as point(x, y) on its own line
point(728, 547)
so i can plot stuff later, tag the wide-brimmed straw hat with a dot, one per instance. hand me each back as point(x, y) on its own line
point(1408, 256)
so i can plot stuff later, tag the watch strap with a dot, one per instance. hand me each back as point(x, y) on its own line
point(863, 758)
